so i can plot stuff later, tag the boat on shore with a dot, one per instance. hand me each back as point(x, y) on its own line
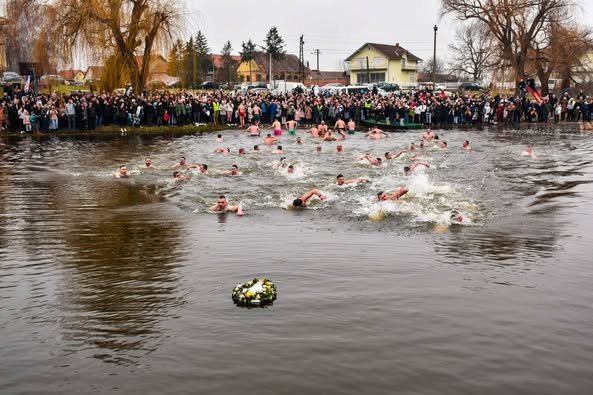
point(370, 122)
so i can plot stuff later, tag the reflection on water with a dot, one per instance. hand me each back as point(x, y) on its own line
point(372, 295)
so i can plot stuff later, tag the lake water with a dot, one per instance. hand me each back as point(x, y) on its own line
point(124, 285)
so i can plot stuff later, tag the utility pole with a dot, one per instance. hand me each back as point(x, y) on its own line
point(434, 58)
point(317, 52)
point(368, 72)
point(301, 60)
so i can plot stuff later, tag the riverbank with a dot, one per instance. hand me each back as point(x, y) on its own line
point(116, 130)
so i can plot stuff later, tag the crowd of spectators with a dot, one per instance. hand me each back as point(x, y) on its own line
point(27, 112)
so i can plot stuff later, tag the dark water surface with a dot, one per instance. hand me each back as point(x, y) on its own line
point(123, 286)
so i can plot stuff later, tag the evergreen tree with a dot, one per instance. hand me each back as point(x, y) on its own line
point(202, 44)
point(248, 54)
point(275, 44)
point(175, 59)
point(203, 51)
point(191, 64)
point(229, 65)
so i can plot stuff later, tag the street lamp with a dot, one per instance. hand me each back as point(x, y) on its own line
point(265, 49)
point(434, 57)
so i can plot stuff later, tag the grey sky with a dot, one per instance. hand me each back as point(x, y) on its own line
point(337, 28)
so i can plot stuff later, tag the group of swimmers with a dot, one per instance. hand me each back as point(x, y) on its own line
point(223, 205)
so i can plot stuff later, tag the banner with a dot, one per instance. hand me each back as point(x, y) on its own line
point(28, 83)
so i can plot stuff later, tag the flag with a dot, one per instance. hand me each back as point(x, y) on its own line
point(28, 83)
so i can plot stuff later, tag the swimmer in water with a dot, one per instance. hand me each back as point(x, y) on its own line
point(340, 180)
point(314, 131)
point(411, 168)
point(222, 150)
point(428, 135)
point(529, 152)
point(178, 176)
point(242, 151)
point(376, 133)
point(351, 127)
point(234, 171)
point(340, 127)
point(254, 130)
point(277, 128)
point(181, 163)
point(269, 139)
point(444, 145)
point(219, 137)
point(302, 201)
point(202, 167)
point(322, 129)
point(401, 191)
point(317, 148)
point(373, 161)
point(278, 150)
point(389, 155)
point(329, 136)
point(291, 126)
point(456, 217)
point(148, 164)
point(299, 140)
point(223, 205)
point(122, 172)
point(256, 148)
point(290, 169)
point(412, 147)
point(466, 145)
point(339, 148)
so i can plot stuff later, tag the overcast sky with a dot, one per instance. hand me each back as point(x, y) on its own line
point(336, 28)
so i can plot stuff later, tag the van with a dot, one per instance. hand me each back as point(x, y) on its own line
point(282, 86)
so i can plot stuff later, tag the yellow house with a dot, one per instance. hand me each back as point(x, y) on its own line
point(383, 63)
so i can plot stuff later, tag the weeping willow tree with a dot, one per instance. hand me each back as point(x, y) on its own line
point(119, 31)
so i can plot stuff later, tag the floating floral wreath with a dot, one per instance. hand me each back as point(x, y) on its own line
point(257, 292)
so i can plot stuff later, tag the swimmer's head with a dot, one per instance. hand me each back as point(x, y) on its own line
point(279, 148)
point(147, 161)
point(219, 136)
point(176, 174)
point(182, 160)
point(234, 169)
point(382, 195)
point(204, 167)
point(318, 148)
point(407, 169)
point(340, 179)
point(297, 202)
point(241, 151)
point(339, 148)
point(298, 140)
point(388, 155)
point(465, 143)
point(291, 169)
point(256, 147)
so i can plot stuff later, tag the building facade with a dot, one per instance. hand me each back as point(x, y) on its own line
point(383, 63)
point(290, 68)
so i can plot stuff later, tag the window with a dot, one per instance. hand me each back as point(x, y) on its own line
point(361, 78)
point(258, 77)
point(361, 62)
point(403, 63)
point(377, 61)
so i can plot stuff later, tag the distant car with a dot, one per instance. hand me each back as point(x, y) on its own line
point(259, 90)
point(258, 85)
point(388, 87)
point(11, 76)
point(209, 85)
point(469, 86)
point(331, 85)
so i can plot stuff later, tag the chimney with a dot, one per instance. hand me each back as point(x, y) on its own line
point(397, 45)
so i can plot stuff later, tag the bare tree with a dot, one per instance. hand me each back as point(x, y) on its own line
point(514, 24)
point(439, 66)
point(561, 52)
point(472, 51)
point(128, 27)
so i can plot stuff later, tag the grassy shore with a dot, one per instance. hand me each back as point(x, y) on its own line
point(115, 130)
